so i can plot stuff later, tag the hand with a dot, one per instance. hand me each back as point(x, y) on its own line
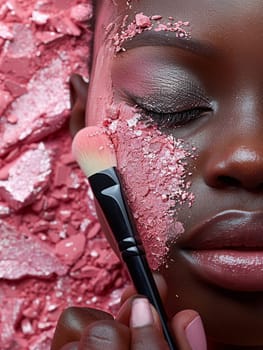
point(137, 327)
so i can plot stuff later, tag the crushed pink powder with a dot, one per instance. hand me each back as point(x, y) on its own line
point(153, 166)
point(53, 253)
point(142, 23)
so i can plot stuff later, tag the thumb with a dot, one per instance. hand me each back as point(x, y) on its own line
point(188, 328)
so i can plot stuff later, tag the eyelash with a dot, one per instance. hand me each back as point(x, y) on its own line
point(176, 119)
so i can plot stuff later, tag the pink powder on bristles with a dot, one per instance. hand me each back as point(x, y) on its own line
point(93, 150)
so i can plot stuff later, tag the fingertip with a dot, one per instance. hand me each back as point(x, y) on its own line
point(141, 313)
point(188, 328)
point(145, 326)
point(195, 334)
point(183, 318)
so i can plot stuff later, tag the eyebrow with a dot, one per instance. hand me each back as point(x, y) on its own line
point(163, 38)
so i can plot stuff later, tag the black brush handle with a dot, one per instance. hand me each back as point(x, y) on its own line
point(107, 188)
point(143, 280)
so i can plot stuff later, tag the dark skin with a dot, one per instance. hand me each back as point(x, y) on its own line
point(228, 167)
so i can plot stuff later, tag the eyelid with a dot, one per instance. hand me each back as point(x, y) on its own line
point(154, 71)
point(171, 93)
point(173, 120)
point(170, 104)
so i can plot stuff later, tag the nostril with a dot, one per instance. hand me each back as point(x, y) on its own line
point(228, 181)
point(237, 166)
point(260, 188)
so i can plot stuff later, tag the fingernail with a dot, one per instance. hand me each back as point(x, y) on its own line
point(141, 313)
point(196, 335)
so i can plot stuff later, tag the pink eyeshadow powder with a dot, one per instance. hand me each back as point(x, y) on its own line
point(153, 167)
point(53, 253)
point(143, 23)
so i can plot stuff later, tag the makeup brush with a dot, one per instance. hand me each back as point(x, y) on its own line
point(94, 152)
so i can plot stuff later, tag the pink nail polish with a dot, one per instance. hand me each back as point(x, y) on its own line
point(196, 335)
point(141, 314)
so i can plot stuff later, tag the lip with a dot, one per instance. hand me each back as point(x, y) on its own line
point(227, 250)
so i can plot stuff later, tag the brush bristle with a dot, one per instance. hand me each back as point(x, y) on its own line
point(93, 150)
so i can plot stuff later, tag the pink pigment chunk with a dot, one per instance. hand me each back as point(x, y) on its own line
point(9, 316)
point(81, 12)
point(62, 175)
point(39, 17)
point(12, 119)
point(71, 249)
point(22, 256)
point(5, 32)
point(5, 99)
point(65, 26)
point(27, 177)
point(18, 51)
point(156, 17)
point(142, 21)
point(41, 110)
point(15, 89)
point(47, 37)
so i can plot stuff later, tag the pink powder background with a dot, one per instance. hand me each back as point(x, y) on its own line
point(52, 251)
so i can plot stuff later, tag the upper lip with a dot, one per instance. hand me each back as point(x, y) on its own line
point(231, 229)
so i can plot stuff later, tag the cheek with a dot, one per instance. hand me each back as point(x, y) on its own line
point(153, 168)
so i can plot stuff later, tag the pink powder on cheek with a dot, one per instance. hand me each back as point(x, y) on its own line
point(153, 169)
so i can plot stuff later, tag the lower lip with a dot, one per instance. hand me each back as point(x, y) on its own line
point(229, 269)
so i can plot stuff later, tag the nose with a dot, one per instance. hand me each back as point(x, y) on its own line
point(236, 164)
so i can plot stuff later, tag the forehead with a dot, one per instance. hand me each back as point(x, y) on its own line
point(222, 22)
point(201, 11)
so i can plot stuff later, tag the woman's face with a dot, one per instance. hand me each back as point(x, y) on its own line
point(184, 111)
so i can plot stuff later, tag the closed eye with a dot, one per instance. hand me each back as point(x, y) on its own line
point(176, 119)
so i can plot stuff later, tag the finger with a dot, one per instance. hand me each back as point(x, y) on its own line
point(105, 335)
point(145, 332)
point(124, 314)
point(129, 294)
point(188, 328)
point(72, 324)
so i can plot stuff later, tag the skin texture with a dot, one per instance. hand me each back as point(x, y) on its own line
point(227, 167)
